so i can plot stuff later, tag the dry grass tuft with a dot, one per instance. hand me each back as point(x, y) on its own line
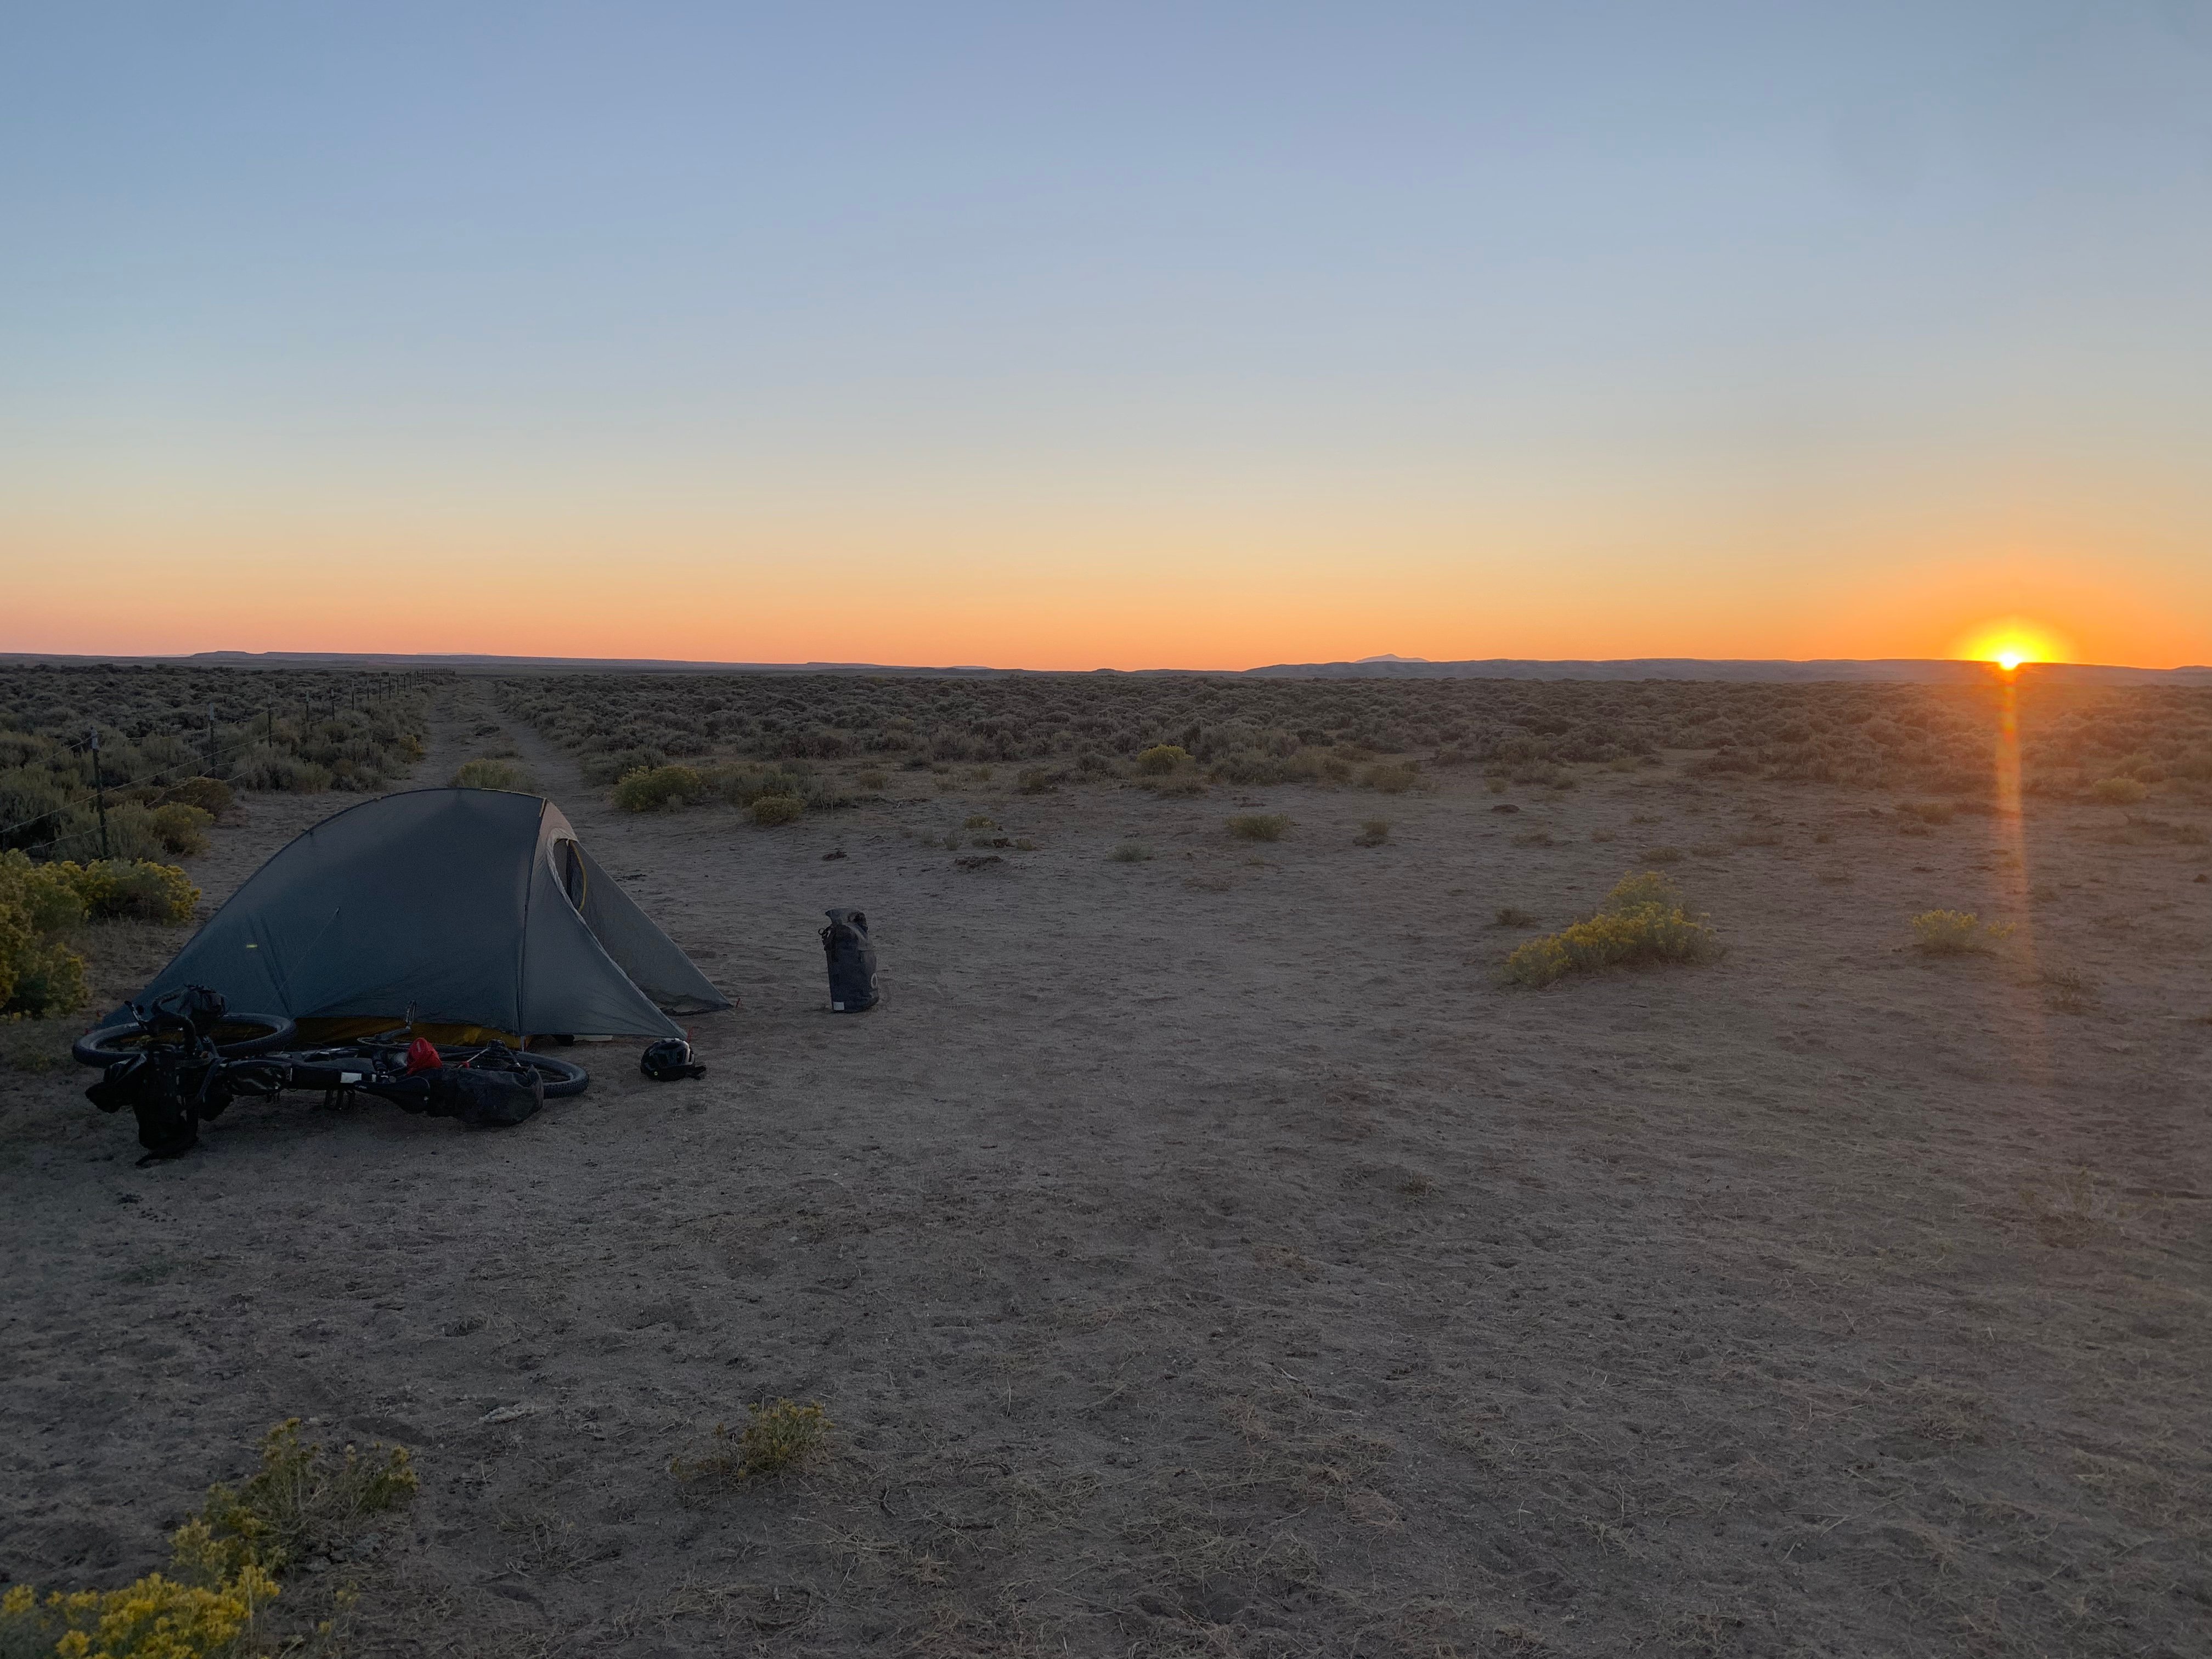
point(1132, 852)
point(1663, 855)
point(1260, 826)
point(1373, 833)
point(1512, 916)
point(2070, 992)
point(2119, 792)
point(2143, 830)
point(488, 773)
point(1929, 811)
point(1945, 1414)
point(1392, 778)
point(1956, 934)
point(2079, 1207)
point(779, 1438)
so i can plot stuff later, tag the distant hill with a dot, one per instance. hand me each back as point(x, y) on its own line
point(386, 662)
point(1922, 670)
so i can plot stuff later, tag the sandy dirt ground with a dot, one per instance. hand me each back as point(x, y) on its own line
point(1209, 1255)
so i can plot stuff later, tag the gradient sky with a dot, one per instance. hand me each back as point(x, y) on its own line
point(1058, 336)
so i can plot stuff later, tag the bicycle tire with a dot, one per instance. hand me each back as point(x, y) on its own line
point(563, 1077)
point(107, 1044)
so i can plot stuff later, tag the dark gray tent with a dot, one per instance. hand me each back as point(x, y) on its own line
point(458, 907)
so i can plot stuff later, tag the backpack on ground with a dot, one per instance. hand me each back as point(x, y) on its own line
point(172, 1092)
point(851, 960)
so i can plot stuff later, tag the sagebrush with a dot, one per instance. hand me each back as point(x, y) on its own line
point(171, 736)
point(1260, 826)
point(1936, 740)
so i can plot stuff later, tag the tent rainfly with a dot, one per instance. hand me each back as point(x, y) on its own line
point(444, 907)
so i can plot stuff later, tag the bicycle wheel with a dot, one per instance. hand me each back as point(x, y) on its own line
point(235, 1037)
point(562, 1078)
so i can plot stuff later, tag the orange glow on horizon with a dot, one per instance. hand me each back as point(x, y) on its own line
point(2012, 641)
point(1133, 588)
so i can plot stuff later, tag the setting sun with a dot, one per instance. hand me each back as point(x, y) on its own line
point(2012, 641)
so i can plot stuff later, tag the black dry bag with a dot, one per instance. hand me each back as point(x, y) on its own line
point(852, 962)
point(485, 1097)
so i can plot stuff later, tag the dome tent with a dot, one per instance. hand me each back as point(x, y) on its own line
point(444, 907)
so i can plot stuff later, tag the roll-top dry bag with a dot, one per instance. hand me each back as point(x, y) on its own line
point(852, 962)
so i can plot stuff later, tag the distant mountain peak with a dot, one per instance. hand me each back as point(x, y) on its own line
point(1391, 656)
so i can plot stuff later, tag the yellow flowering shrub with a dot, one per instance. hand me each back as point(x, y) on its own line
point(156, 1618)
point(223, 1561)
point(42, 893)
point(132, 887)
point(1643, 920)
point(41, 977)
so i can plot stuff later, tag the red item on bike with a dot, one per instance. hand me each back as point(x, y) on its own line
point(423, 1056)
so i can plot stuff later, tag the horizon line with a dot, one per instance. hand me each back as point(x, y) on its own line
point(1384, 667)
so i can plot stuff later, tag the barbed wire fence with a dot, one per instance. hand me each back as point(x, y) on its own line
point(210, 762)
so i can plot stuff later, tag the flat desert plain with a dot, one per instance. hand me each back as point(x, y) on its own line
point(1210, 1255)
